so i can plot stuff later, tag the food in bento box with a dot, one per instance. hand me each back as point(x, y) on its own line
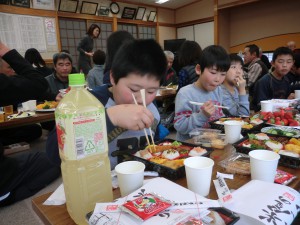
point(275, 145)
point(47, 105)
point(170, 154)
point(262, 136)
point(197, 151)
point(218, 143)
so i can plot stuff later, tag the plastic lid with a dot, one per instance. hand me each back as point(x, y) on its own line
point(76, 79)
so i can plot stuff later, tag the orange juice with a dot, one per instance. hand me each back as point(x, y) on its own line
point(2, 118)
point(83, 148)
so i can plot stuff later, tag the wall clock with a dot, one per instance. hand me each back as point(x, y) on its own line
point(114, 8)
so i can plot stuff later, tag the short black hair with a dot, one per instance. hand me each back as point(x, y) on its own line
point(189, 53)
point(92, 28)
point(99, 57)
point(282, 51)
point(215, 55)
point(143, 57)
point(114, 42)
point(61, 55)
point(297, 60)
point(236, 58)
point(33, 56)
point(253, 49)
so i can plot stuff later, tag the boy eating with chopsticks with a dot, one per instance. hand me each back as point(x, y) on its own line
point(212, 69)
point(234, 88)
point(139, 64)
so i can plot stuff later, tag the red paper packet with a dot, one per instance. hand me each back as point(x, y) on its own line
point(283, 177)
point(146, 206)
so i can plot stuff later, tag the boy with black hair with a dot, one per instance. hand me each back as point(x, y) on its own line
point(95, 75)
point(211, 69)
point(275, 85)
point(140, 64)
point(234, 88)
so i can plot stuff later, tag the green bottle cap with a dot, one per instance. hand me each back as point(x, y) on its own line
point(76, 79)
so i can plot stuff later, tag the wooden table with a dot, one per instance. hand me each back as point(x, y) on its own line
point(58, 215)
point(165, 96)
point(39, 117)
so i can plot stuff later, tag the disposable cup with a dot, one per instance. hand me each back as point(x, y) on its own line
point(232, 131)
point(198, 172)
point(263, 165)
point(130, 176)
point(266, 106)
point(31, 105)
point(297, 93)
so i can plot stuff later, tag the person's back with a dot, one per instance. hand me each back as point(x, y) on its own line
point(188, 56)
point(211, 70)
point(95, 75)
point(275, 85)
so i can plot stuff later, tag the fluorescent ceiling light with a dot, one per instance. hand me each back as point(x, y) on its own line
point(161, 1)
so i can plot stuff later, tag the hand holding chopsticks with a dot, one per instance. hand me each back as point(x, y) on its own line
point(143, 96)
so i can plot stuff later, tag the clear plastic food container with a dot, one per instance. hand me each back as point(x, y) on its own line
point(208, 138)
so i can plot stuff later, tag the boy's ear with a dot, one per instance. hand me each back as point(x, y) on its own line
point(112, 81)
point(198, 69)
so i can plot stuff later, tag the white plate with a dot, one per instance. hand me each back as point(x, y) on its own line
point(45, 110)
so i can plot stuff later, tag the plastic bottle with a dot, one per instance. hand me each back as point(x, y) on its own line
point(83, 148)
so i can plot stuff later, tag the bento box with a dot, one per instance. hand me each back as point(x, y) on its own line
point(288, 148)
point(169, 156)
point(250, 125)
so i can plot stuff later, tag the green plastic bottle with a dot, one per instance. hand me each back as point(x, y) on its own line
point(83, 148)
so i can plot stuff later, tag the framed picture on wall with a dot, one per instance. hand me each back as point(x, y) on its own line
point(4, 2)
point(21, 3)
point(140, 13)
point(68, 6)
point(128, 13)
point(103, 11)
point(151, 16)
point(89, 8)
point(43, 4)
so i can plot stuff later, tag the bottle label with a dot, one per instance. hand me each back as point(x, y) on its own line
point(81, 134)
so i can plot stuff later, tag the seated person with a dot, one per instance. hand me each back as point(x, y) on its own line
point(74, 70)
point(171, 77)
point(140, 64)
point(26, 133)
point(23, 175)
point(275, 85)
point(95, 75)
point(294, 74)
point(58, 80)
point(211, 69)
point(234, 88)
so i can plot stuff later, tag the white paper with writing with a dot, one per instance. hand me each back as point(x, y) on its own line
point(269, 203)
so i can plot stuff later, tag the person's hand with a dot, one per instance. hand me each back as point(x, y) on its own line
point(131, 117)
point(89, 54)
point(3, 49)
point(241, 84)
point(208, 109)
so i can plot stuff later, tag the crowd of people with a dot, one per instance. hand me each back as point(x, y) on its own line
point(210, 76)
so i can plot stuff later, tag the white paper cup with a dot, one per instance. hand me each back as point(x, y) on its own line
point(130, 176)
point(266, 106)
point(232, 131)
point(297, 93)
point(31, 105)
point(263, 165)
point(198, 172)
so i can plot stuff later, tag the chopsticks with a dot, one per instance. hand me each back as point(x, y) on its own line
point(200, 103)
point(142, 91)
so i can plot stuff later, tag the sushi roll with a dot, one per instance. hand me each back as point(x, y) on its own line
point(170, 154)
point(262, 137)
point(197, 151)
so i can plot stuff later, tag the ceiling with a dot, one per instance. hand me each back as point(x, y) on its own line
point(171, 4)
